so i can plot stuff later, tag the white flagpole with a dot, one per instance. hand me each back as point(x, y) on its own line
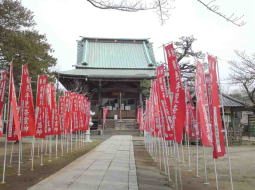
point(76, 140)
point(179, 168)
point(197, 158)
point(67, 143)
point(216, 174)
point(176, 166)
point(160, 153)
point(167, 160)
point(32, 155)
point(20, 149)
point(42, 153)
point(183, 160)
point(56, 146)
point(205, 166)
point(71, 139)
point(62, 146)
point(5, 154)
point(11, 153)
point(46, 145)
point(5, 145)
point(189, 155)
point(225, 130)
point(50, 148)
point(38, 152)
point(164, 154)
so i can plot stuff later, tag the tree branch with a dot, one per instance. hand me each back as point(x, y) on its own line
point(215, 9)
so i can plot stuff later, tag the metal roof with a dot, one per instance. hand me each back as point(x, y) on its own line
point(110, 73)
point(115, 53)
point(229, 101)
point(110, 39)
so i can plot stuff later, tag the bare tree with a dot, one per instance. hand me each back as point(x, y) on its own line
point(244, 73)
point(185, 56)
point(162, 8)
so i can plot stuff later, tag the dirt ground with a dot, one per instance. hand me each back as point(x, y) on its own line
point(28, 177)
point(242, 161)
point(243, 168)
point(149, 176)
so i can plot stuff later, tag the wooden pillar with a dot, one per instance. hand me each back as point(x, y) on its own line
point(140, 96)
point(120, 101)
point(99, 102)
point(233, 127)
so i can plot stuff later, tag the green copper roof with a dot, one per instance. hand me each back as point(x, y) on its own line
point(110, 73)
point(115, 53)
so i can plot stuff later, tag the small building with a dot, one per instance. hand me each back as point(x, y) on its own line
point(110, 72)
point(233, 110)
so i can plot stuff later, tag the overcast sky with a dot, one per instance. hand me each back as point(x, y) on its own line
point(63, 21)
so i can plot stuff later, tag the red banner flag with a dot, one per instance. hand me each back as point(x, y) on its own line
point(202, 103)
point(164, 103)
point(3, 82)
point(40, 106)
point(178, 105)
point(105, 112)
point(139, 118)
point(62, 112)
point(87, 113)
point(158, 130)
point(54, 112)
point(146, 117)
point(13, 125)
point(68, 115)
point(192, 128)
point(48, 110)
point(26, 105)
point(75, 112)
point(218, 138)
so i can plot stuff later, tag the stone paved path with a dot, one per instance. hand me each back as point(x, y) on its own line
point(110, 166)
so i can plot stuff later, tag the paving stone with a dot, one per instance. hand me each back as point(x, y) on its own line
point(110, 166)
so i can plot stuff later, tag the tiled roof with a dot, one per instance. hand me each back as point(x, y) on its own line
point(229, 101)
point(111, 73)
point(115, 53)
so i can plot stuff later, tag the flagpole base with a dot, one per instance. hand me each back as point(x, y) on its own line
point(87, 136)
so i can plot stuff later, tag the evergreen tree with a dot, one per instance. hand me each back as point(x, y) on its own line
point(21, 43)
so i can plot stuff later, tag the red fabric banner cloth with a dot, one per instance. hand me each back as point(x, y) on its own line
point(54, 111)
point(75, 112)
point(40, 106)
point(218, 137)
point(158, 128)
point(192, 128)
point(146, 116)
point(202, 104)
point(87, 113)
point(62, 112)
point(13, 125)
point(48, 111)
point(140, 118)
point(26, 105)
point(164, 103)
point(178, 104)
point(68, 115)
point(3, 82)
point(105, 112)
